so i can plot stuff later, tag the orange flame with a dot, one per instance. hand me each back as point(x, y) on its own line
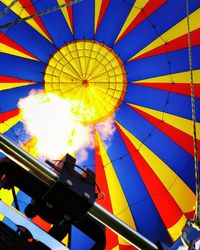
point(56, 126)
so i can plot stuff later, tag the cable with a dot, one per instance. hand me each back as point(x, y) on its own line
point(7, 8)
point(91, 178)
point(15, 198)
point(197, 208)
point(10, 24)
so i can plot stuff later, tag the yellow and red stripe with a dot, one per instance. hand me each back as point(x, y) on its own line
point(176, 128)
point(100, 9)
point(9, 119)
point(7, 82)
point(179, 83)
point(8, 46)
point(28, 6)
point(140, 11)
point(176, 44)
point(179, 30)
point(24, 9)
point(67, 13)
point(111, 238)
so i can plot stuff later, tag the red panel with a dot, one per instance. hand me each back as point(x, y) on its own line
point(122, 247)
point(7, 115)
point(101, 179)
point(164, 202)
point(28, 6)
point(180, 138)
point(148, 9)
point(179, 88)
point(70, 13)
point(42, 223)
point(111, 238)
point(190, 215)
point(9, 42)
point(8, 79)
point(104, 6)
point(176, 44)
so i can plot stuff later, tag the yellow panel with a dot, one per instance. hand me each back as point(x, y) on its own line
point(77, 66)
point(65, 241)
point(48, 82)
point(176, 230)
point(30, 147)
point(83, 71)
point(59, 56)
point(178, 122)
point(19, 10)
point(65, 13)
point(8, 85)
point(120, 205)
point(7, 197)
point(138, 5)
point(116, 248)
point(181, 193)
point(9, 123)
point(97, 12)
point(183, 77)
point(176, 31)
point(8, 50)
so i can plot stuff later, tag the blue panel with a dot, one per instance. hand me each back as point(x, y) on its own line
point(166, 149)
point(152, 229)
point(113, 21)
point(159, 65)
point(145, 214)
point(135, 41)
point(186, 172)
point(23, 200)
point(32, 41)
point(55, 23)
point(9, 99)
point(22, 68)
point(13, 135)
point(172, 103)
point(135, 191)
point(27, 37)
point(83, 18)
point(80, 240)
point(9, 223)
point(181, 105)
point(163, 19)
point(18, 134)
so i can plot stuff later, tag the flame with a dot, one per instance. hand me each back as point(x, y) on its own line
point(55, 124)
point(57, 129)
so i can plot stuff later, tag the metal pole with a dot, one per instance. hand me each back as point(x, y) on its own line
point(120, 228)
point(41, 171)
point(26, 161)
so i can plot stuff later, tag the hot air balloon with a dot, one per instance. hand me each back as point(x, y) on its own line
point(113, 79)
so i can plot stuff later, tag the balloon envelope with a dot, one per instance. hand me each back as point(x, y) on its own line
point(124, 67)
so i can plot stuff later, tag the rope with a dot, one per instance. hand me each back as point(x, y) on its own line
point(7, 8)
point(7, 25)
point(197, 208)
